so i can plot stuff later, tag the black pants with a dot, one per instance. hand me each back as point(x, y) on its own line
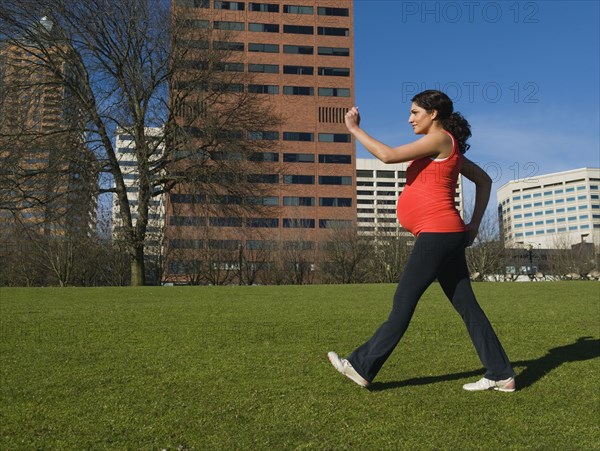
point(441, 256)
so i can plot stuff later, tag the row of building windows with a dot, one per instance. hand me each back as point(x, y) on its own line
point(553, 211)
point(184, 85)
point(267, 223)
point(288, 69)
point(553, 202)
point(265, 7)
point(237, 46)
point(552, 221)
point(570, 189)
point(274, 136)
point(291, 201)
point(365, 173)
point(571, 228)
point(275, 28)
point(288, 201)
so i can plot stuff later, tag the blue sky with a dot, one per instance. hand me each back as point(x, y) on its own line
point(525, 74)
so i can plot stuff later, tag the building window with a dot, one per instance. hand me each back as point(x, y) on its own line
point(226, 222)
point(335, 137)
point(298, 223)
point(228, 45)
point(263, 178)
point(224, 244)
point(269, 223)
point(193, 23)
point(333, 31)
point(298, 49)
point(263, 89)
point(334, 224)
point(362, 173)
point(333, 51)
point(299, 179)
point(228, 87)
point(290, 201)
point(264, 156)
point(232, 6)
point(186, 244)
point(263, 48)
point(231, 26)
point(298, 91)
point(293, 9)
point(271, 201)
point(298, 29)
point(298, 158)
point(261, 135)
point(263, 7)
point(298, 136)
point(335, 159)
point(335, 202)
point(335, 180)
point(334, 71)
point(254, 245)
point(263, 27)
point(229, 67)
point(187, 198)
point(264, 68)
point(299, 245)
point(194, 3)
point(324, 11)
point(298, 70)
point(187, 221)
point(334, 92)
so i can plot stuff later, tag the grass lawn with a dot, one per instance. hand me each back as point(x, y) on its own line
point(208, 368)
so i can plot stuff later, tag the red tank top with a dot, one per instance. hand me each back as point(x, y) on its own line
point(427, 202)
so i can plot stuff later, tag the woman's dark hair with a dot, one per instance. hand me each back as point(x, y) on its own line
point(450, 120)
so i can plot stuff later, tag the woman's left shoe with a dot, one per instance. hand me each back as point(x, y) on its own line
point(344, 367)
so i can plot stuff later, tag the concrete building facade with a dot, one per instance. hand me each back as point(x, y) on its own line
point(551, 211)
point(125, 146)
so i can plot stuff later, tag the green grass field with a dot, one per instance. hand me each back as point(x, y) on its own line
point(208, 368)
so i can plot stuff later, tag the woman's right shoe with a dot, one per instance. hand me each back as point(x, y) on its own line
point(506, 385)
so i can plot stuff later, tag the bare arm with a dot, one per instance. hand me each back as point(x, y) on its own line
point(483, 187)
point(428, 145)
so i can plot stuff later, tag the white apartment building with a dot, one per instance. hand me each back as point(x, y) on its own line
point(552, 211)
point(378, 186)
point(156, 215)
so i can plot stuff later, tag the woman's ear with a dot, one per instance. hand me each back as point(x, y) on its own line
point(434, 114)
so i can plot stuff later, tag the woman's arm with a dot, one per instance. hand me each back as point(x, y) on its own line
point(428, 145)
point(483, 187)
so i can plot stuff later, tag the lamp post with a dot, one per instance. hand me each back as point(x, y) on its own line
point(240, 259)
point(530, 272)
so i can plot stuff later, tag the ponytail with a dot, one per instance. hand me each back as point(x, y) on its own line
point(459, 127)
point(451, 120)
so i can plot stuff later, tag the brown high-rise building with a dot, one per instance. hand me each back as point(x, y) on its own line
point(300, 53)
point(46, 182)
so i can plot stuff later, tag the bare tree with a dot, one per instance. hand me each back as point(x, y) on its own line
point(390, 252)
point(345, 254)
point(135, 64)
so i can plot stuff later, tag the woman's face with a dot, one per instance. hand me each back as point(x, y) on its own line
point(420, 119)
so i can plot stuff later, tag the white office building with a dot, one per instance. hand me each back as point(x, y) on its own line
point(378, 186)
point(125, 147)
point(552, 211)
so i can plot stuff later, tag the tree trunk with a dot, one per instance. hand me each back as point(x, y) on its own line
point(138, 278)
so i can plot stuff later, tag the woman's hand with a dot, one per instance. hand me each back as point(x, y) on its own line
point(352, 119)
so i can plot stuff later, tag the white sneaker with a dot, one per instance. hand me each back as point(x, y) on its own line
point(344, 367)
point(506, 385)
